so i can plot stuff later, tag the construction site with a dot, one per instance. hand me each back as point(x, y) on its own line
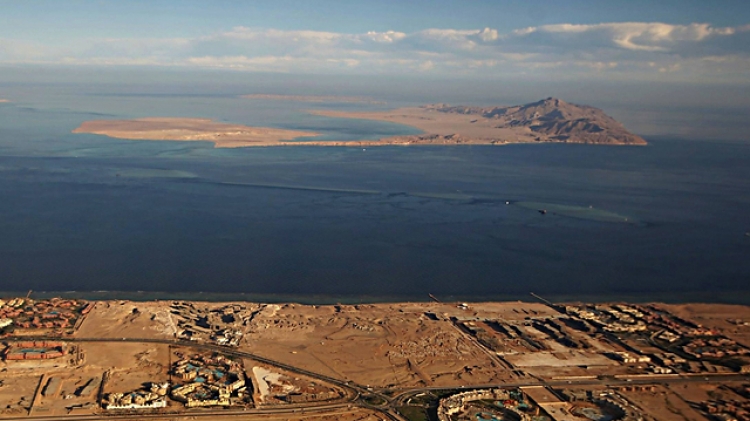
point(223, 324)
point(276, 387)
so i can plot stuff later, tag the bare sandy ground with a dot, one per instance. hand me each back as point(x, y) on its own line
point(400, 344)
point(17, 393)
point(439, 128)
point(463, 128)
point(223, 135)
point(128, 319)
point(667, 404)
point(730, 320)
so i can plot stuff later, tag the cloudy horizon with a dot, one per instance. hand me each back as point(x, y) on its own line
point(696, 52)
point(618, 40)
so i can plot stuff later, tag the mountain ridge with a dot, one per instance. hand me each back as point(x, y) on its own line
point(553, 119)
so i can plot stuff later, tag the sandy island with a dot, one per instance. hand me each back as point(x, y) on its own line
point(4, 100)
point(223, 135)
point(439, 130)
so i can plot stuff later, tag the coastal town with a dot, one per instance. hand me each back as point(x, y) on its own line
point(399, 361)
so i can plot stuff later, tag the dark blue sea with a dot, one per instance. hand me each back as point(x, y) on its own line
point(87, 213)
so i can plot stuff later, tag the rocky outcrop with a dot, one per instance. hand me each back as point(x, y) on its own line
point(554, 120)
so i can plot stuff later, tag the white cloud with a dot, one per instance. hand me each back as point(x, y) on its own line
point(631, 48)
point(390, 36)
point(488, 34)
point(426, 65)
point(633, 36)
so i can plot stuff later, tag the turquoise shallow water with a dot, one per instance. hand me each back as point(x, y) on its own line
point(87, 213)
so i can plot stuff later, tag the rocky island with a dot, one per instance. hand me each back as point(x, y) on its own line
point(548, 120)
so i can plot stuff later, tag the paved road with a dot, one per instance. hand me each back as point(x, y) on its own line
point(349, 386)
point(356, 392)
point(353, 390)
point(207, 414)
point(401, 398)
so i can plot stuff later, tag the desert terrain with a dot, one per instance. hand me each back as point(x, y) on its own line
point(730, 320)
point(222, 135)
point(383, 345)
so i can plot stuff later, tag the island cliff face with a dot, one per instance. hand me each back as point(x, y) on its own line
point(555, 120)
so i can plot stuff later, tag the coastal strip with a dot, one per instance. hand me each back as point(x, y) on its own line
point(222, 135)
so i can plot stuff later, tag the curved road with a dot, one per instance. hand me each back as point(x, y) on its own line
point(356, 393)
point(353, 390)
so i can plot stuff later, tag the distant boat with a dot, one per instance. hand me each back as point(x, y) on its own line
point(543, 211)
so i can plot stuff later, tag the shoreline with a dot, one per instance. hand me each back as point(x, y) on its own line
point(728, 297)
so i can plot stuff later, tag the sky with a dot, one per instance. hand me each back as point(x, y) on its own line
point(689, 41)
